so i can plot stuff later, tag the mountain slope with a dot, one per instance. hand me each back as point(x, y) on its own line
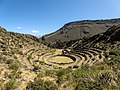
point(112, 35)
point(78, 29)
point(90, 63)
point(18, 53)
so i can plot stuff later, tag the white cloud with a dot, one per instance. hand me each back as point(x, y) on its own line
point(19, 27)
point(35, 31)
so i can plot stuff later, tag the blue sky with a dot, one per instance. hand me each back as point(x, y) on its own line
point(39, 17)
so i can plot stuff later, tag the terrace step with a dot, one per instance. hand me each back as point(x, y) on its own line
point(79, 63)
point(93, 52)
point(88, 53)
point(96, 49)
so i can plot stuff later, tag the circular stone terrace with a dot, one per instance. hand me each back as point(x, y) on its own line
point(75, 59)
point(61, 60)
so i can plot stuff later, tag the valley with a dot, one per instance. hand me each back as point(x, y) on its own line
point(27, 63)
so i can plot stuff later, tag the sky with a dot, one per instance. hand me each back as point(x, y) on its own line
point(40, 17)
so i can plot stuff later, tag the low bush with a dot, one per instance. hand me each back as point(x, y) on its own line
point(10, 85)
point(39, 84)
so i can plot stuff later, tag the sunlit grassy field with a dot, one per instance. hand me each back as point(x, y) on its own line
point(61, 59)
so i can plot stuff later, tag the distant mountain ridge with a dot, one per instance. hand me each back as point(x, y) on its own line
point(78, 29)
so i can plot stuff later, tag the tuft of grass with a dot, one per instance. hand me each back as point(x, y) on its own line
point(11, 84)
point(14, 65)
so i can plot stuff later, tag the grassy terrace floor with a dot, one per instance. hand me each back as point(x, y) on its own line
point(61, 59)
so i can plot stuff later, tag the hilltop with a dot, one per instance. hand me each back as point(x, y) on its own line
point(79, 29)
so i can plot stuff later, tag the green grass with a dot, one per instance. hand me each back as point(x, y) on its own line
point(61, 59)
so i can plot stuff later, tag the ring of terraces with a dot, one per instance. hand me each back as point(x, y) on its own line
point(55, 58)
point(86, 56)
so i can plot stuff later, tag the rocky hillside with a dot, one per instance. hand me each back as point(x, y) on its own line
point(78, 29)
point(17, 54)
point(111, 36)
point(89, 64)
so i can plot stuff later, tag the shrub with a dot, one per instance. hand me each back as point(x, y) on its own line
point(39, 84)
point(9, 61)
point(15, 74)
point(88, 85)
point(10, 85)
point(14, 66)
point(29, 57)
point(105, 78)
point(35, 68)
point(63, 72)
